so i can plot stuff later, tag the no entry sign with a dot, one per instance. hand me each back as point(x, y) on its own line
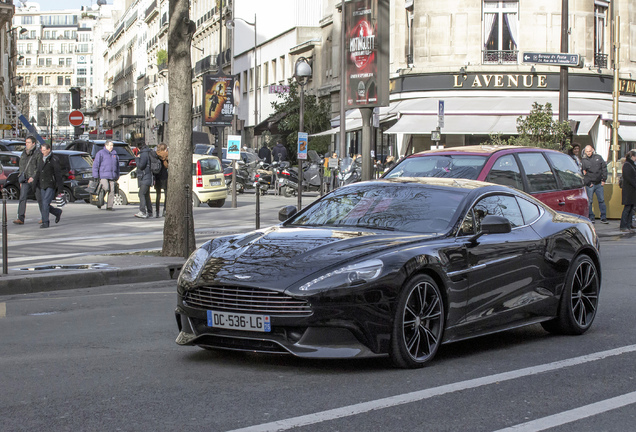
point(76, 118)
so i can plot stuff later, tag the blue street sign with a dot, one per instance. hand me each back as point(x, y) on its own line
point(440, 113)
point(302, 145)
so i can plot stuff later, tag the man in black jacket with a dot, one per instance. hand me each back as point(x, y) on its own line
point(279, 153)
point(29, 160)
point(594, 170)
point(48, 177)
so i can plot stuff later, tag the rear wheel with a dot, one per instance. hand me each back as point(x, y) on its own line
point(287, 191)
point(419, 323)
point(579, 299)
point(216, 203)
point(68, 195)
point(195, 200)
point(13, 193)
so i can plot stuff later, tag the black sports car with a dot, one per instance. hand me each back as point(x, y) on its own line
point(393, 266)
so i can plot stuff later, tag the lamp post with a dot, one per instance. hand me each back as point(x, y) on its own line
point(302, 73)
point(230, 24)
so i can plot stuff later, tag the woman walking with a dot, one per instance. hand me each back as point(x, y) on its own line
point(629, 191)
point(161, 179)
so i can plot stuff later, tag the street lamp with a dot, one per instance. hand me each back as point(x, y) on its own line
point(22, 29)
point(230, 25)
point(302, 73)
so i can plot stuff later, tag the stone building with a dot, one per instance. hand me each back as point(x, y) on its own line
point(8, 58)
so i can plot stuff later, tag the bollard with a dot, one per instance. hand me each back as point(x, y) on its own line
point(187, 222)
point(258, 205)
point(5, 257)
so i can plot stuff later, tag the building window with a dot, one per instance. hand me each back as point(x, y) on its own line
point(69, 62)
point(81, 71)
point(47, 80)
point(251, 79)
point(501, 26)
point(67, 80)
point(282, 69)
point(28, 62)
point(266, 73)
point(41, 61)
point(81, 82)
point(40, 80)
point(49, 61)
point(60, 62)
point(274, 71)
point(60, 80)
point(409, 33)
point(600, 22)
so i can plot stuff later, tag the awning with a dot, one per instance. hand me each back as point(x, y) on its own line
point(585, 123)
point(353, 124)
point(627, 133)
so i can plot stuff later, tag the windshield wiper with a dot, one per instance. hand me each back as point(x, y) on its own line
point(366, 226)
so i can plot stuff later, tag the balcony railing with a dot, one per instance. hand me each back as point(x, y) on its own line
point(600, 60)
point(500, 57)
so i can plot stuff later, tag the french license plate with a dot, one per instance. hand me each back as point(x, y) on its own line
point(87, 175)
point(122, 163)
point(238, 321)
point(215, 182)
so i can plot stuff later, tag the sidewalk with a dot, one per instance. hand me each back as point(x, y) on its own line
point(84, 271)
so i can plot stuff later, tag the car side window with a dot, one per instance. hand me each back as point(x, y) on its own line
point(498, 205)
point(566, 170)
point(505, 171)
point(529, 210)
point(468, 225)
point(540, 176)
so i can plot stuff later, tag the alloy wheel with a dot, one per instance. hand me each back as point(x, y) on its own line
point(584, 299)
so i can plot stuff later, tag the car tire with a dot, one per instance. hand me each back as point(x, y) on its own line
point(240, 187)
point(195, 200)
point(418, 326)
point(579, 300)
point(287, 191)
point(13, 193)
point(120, 199)
point(68, 195)
point(216, 203)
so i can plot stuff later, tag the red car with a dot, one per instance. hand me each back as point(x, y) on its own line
point(550, 176)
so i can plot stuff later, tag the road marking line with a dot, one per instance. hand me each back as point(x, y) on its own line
point(416, 396)
point(574, 414)
point(3, 310)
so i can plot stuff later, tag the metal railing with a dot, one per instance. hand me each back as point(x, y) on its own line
point(600, 60)
point(500, 57)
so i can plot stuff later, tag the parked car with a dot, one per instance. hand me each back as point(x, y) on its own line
point(77, 171)
point(203, 149)
point(550, 176)
point(392, 266)
point(126, 156)
point(9, 163)
point(208, 184)
point(12, 145)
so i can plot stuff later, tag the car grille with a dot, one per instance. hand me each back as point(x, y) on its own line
point(246, 300)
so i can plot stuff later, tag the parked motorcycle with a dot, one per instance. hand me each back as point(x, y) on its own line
point(350, 171)
point(312, 178)
point(242, 175)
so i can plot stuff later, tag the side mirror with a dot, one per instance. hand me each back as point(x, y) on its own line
point(492, 224)
point(133, 174)
point(286, 212)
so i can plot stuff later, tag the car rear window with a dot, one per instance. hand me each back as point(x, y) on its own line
point(540, 176)
point(122, 150)
point(453, 166)
point(208, 166)
point(81, 161)
point(567, 170)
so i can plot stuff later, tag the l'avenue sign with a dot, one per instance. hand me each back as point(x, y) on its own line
point(500, 81)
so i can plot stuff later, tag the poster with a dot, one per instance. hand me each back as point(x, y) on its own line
point(302, 145)
point(218, 100)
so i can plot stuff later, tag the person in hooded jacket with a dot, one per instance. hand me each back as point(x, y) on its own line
point(161, 179)
point(106, 170)
point(279, 152)
point(628, 191)
point(144, 180)
point(48, 177)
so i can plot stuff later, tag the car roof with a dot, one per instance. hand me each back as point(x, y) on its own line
point(196, 157)
point(11, 152)
point(477, 149)
point(455, 183)
point(70, 152)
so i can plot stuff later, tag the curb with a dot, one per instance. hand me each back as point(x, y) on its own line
point(74, 279)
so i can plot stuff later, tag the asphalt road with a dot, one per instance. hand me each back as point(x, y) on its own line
point(105, 359)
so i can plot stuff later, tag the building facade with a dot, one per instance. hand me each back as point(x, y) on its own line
point(8, 59)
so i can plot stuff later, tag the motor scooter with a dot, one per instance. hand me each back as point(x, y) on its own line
point(312, 178)
point(350, 171)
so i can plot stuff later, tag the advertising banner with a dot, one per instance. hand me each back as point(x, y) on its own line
point(302, 145)
point(218, 100)
point(367, 43)
point(234, 147)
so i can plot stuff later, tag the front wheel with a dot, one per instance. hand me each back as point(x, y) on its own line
point(195, 200)
point(287, 191)
point(13, 193)
point(119, 199)
point(68, 195)
point(216, 203)
point(419, 323)
point(579, 299)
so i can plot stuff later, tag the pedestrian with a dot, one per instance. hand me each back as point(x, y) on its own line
point(265, 154)
point(628, 191)
point(48, 177)
point(29, 160)
point(279, 152)
point(389, 163)
point(575, 153)
point(594, 176)
point(161, 179)
point(106, 171)
point(144, 180)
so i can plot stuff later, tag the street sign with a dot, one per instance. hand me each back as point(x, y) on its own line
point(161, 112)
point(440, 113)
point(234, 147)
point(555, 59)
point(76, 118)
point(302, 145)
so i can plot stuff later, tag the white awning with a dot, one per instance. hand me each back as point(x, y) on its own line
point(627, 133)
point(351, 125)
point(585, 123)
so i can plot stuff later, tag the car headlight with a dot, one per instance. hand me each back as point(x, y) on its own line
point(351, 275)
point(193, 266)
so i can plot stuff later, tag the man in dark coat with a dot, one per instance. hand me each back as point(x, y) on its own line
point(48, 177)
point(629, 191)
point(265, 154)
point(594, 170)
point(29, 160)
point(279, 153)
point(144, 180)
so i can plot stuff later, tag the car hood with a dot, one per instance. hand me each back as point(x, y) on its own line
point(280, 257)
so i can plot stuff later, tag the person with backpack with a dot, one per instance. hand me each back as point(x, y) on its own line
point(161, 178)
point(106, 171)
point(144, 180)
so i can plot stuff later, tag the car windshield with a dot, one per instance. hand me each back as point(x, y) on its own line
point(391, 207)
point(454, 166)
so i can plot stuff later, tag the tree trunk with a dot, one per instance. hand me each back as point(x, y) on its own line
point(178, 231)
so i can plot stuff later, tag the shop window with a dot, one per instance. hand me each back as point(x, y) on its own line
point(501, 30)
point(600, 23)
point(409, 33)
